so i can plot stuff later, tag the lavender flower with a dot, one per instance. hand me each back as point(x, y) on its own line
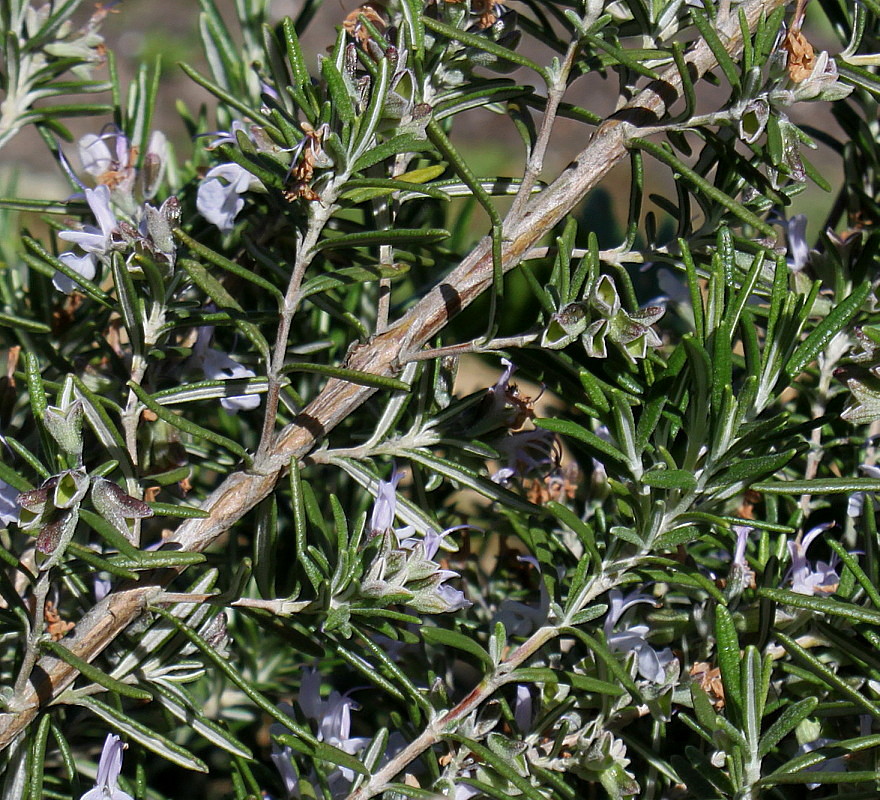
point(9, 507)
point(520, 619)
point(434, 596)
point(522, 708)
point(107, 158)
point(416, 573)
point(84, 265)
point(502, 407)
point(218, 366)
point(798, 249)
point(333, 716)
point(111, 161)
point(225, 137)
point(499, 392)
point(741, 574)
point(464, 791)
point(822, 579)
point(282, 755)
point(651, 664)
point(218, 199)
point(856, 504)
point(109, 767)
point(385, 507)
point(837, 764)
point(101, 585)
point(527, 452)
point(91, 239)
point(444, 598)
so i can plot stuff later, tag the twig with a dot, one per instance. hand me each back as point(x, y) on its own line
point(320, 212)
point(478, 346)
point(32, 648)
point(535, 163)
point(130, 419)
point(448, 721)
point(383, 213)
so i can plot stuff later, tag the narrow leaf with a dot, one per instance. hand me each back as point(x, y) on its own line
point(392, 236)
point(144, 736)
point(728, 657)
point(188, 426)
point(818, 486)
point(787, 721)
point(839, 317)
point(457, 641)
point(94, 674)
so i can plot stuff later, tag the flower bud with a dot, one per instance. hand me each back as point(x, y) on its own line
point(115, 506)
point(65, 426)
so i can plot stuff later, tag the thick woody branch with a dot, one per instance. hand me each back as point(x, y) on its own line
point(383, 355)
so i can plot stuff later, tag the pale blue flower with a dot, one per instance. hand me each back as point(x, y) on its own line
point(282, 756)
point(111, 160)
point(741, 573)
point(798, 249)
point(84, 265)
point(805, 579)
point(856, 503)
point(836, 764)
point(219, 366)
point(109, 767)
point(742, 538)
point(108, 159)
point(651, 664)
point(434, 596)
point(448, 597)
point(527, 452)
point(333, 716)
point(91, 239)
point(226, 137)
point(520, 619)
point(219, 196)
point(385, 507)
point(522, 708)
point(9, 507)
point(502, 386)
point(464, 791)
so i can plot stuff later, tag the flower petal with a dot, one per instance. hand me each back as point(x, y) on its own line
point(84, 265)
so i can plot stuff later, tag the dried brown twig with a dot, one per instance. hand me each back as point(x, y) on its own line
point(383, 355)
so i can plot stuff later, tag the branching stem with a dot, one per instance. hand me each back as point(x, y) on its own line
point(535, 164)
point(321, 211)
point(32, 649)
point(448, 721)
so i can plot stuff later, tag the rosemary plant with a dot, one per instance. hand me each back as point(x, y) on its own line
point(257, 539)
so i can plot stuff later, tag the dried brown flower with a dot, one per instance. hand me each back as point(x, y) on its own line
point(801, 58)
point(303, 170)
point(56, 627)
point(484, 9)
point(354, 26)
point(709, 678)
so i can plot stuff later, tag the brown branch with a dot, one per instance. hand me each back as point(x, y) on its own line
point(383, 355)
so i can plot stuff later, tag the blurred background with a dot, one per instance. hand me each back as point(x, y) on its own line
point(140, 31)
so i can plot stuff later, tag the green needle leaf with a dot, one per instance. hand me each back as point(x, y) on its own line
point(188, 426)
point(95, 675)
